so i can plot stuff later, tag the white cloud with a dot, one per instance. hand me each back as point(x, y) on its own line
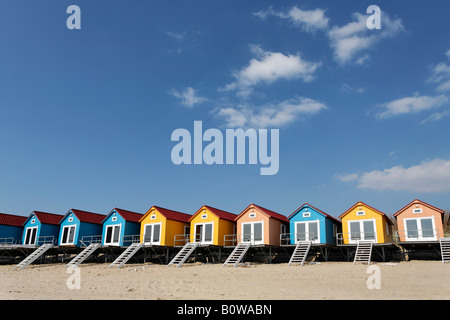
point(350, 40)
point(431, 176)
point(435, 116)
point(308, 20)
point(188, 96)
point(269, 67)
point(412, 104)
point(176, 36)
point(346, 177)
point(440, 75)
point(274, 115)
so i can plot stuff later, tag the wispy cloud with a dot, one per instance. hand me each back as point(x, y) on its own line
point(176, 36)
point(440, 75)
point(435, 116)
point(308, 20)
point(408, 105)
point(428, 176)
point(268, 67)
point(272, 115)
point(188, 96)
point(350, 41)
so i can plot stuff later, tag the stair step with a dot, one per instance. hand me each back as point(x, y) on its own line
point(300, 252)
point(238, 254)
point(183, 254)
point(83, 255)
point(33, 256)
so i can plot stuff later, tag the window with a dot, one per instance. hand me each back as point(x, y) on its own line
point(420, 229)
point(417, 210)
point(307, 231)
point(204, 216)
point(112, 235)
point(153, 217)
point(152, 233)
point(113, 219)
point(306, 214)
point(70, 219)
point(204, 232)
point(252, 215)
point(252, 232)
point(68, 235)
point(30, 235)
point(360, 213)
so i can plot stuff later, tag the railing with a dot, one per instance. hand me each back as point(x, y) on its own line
point(180, 240)
point(87, 240)
point(7, 241)
point(232, 239)
point(417, 235)
point(293, 238)
point(128, 240)
point(46, 240)
point(353, 237)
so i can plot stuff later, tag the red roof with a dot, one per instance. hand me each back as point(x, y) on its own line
point(360, 203)
point(267, 212)
point(318, 210)
point(219, 213)
point(90, 217)
point(12, 220)
point(415, 201)
point(48, 218)
point(173, 215)
point(128, 215)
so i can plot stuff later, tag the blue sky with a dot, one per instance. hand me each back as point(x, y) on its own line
point(86, 115)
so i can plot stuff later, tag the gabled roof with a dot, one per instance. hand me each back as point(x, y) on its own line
point(46, 218)
point(85, 216)
point(170, 214)
point(417, 201)
point(316, 209)
point(267, 212)
point(360, 203)
point(217, 212)
point(12, 220)
point(127, 215)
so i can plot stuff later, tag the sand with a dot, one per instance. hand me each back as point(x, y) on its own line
point(323, 281)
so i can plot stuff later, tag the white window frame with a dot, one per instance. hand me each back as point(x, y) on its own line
point(306, 223)
point(306, 214)
point(30, 230)
point(419, 229)
point(74, 233)
point(202, 236)
point(360, 213)
point(152, 225)
point(419, 210)
point(252, 232)
point(362, 231)
point(112, 243)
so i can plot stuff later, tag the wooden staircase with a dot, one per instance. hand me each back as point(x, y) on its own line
point(300, 252)
point(126, 255)
point(33, 256)
point(183, 254)
point(83, 255)
point(445, 249)
point(238, 254)
point(363, 252)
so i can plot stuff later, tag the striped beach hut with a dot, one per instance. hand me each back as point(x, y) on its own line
point(419, 221)
point(79, 224)
point(260, 226)
point(41, 228)
point(309, 223)
point(11, 228)
point(363, 222)
point(160, 227)
point(121, 227)
point(209, 226)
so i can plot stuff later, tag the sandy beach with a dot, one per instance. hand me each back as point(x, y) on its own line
point(420, 280)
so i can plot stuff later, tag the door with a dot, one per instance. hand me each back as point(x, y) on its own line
point(307, 231)
point(68, 235)
point(204, 233)
point(362, 230)
point(30, 235)
point(152, 234)
point(112, 237)
point(253, 232)
point(420, 229)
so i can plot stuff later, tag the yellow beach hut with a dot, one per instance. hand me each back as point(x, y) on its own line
point(210, 225)
point(159, 226)
point(363, 222)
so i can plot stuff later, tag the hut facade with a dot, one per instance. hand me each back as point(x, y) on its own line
point(419, 221)
point(309, 223)
point(11, 228)
point(121, 228)
point(363, 222)
point(41, 227)
point(77, 224)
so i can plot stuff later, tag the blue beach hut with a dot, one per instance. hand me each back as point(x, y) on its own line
point(308, 223)
point(77, 224)
point(121, 228)
point(11, 228)
point(41, 228)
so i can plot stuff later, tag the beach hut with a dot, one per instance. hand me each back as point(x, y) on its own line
point(77, 224)
point(121, 227)
point(209, 226)
point(41, 228)
point(309, 223)
point(260, 226)
point(11, 228)
point(363, 222)
point(159, 226)
point(419, 221)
